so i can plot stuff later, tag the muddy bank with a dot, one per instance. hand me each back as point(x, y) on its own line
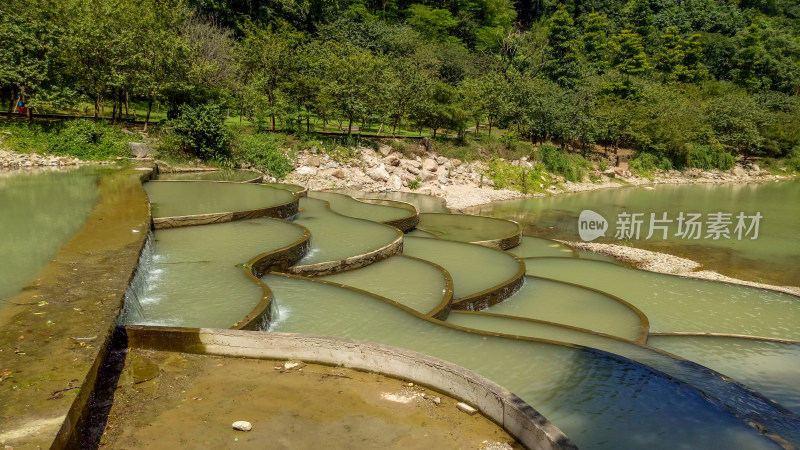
point(669, 264)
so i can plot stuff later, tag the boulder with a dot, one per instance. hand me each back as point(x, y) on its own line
point(392, 160)
point(305, 170)
point(441, 160)
point(412, 170)
point(140, 149)
point(378, 173)
point(426, 143)
point(314, 161)
point(395, 183)
point(385, 150)
point(426, 176)
point(429, 165)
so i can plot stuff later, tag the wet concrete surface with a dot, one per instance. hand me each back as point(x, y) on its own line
point(53, 333)
point(177, 400)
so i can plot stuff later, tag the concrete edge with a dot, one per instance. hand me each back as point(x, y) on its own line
point(494, 294)
point(518, 418)
point(352, 262)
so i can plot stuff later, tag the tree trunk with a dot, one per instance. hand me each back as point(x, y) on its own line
point(149, 108)
point(96, 106)
point(308, 122)
point(349, 126)
point(11, 101)
point(394, 126)
point(127, 103)
point(114, 110)
point(490, 126)
point(434, 132)
point(380, 128)
point(477, 125)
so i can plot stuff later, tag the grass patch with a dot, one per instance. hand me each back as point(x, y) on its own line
point(79, 138)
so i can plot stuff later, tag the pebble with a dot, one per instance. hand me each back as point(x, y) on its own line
point(437, 401)
point(466, 408)
point(242, 425)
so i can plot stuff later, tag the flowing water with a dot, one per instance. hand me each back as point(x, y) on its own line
point(194, 275)
point(474, 268)
point(335, 237)
point(170, 199)
point(599, 401)
point(39, 211)
point(423, 203)
point(771, 368)
point(773, 257)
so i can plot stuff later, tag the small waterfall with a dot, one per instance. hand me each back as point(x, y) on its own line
point(132, 310)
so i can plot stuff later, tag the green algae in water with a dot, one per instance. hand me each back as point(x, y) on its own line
point(175, 198)
point(408, 281)
point(195, 279)
point(771, 368)
point(215, 175)
point(286, 186)
point(463, 228)
point(347, 206)
point(474, 268)
point(675, 304)
point(41, 210)
point(569, 305)
point(335, 237)
point(598, 401)
point(420, 233)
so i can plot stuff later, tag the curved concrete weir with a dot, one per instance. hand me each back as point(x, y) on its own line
point(340, 243)
point(560, 381)
point(570, 305)
point(418, 284)
point(423, 202)
point(675, 304)
point(481, 276)
point(531, 247)
point(771, 368)
point(191, 285)
point(399, 217)
point(238, 176)
point(184, 203)
point(486, 231)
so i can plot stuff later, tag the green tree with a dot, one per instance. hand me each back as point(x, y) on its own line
point(670, 54)
point(595, 41)
point(562, 64)
point(435, 24)
point(629, 58)
point(265, 60)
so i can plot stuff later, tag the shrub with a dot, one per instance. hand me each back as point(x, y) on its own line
point(709, 157)
point(645, 164)
point(262, 151)
point(520, 178)
point(201, 132)
point(572, 167)
point(88, 140)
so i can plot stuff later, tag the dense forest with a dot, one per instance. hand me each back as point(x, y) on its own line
point(682, 82)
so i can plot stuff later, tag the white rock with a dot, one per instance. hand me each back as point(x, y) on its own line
point(305, 170)
point(378, 173)
point(242, 425)
point(466, 408)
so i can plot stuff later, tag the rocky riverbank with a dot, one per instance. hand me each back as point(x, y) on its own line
point(463, 184)
point(14, 160)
